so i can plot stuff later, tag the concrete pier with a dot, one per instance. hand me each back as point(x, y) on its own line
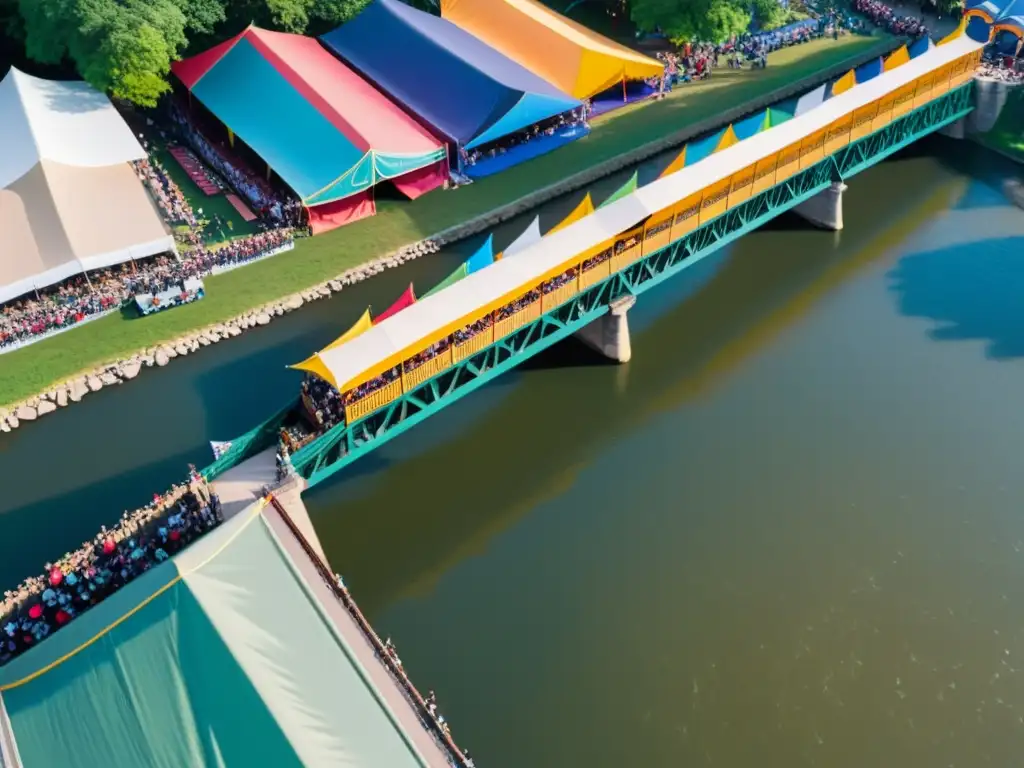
point(989, 100)
point(609, 334)
point(956, 129)
point(825, 209)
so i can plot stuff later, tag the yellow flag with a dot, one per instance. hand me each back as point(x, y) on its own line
point(896, 58)
point(729, 138)
point(844, 83)
point(676, 165)
point(585, 208)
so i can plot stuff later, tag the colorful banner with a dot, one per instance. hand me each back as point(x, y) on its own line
point(483, 257)
point(676, 165)
point(897, 58)
point(585, 208)
point(868, 70)
point(626, 189)
point(728, 139)
point(407, 299)
point(844, 83)
point(452, 279)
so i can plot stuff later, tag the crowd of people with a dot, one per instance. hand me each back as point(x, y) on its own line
point(1005, 68)
point(168, 195)
point(883, 16)
point(140, 540)
point(87, 296)
point(549, 127)
point(265, 200)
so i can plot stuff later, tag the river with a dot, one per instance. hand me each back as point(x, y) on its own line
point(789, 532)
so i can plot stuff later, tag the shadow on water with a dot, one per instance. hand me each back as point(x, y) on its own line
point(973, 296)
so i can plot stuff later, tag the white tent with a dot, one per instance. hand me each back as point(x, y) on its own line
point(69, 200)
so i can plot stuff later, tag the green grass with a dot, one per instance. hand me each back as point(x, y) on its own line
point(233, 224)
point(1007, 135)
point(28, 371)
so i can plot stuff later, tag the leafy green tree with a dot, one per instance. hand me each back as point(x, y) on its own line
point(685, 20)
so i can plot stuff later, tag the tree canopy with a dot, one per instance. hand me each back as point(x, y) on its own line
point(705, 20)
point(125, 47)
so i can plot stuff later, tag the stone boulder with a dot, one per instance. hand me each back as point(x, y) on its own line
point(26, 413)
point(94, 384)
point(78, 390)
point(109, 379)
point(293, 302)
point(13, 422)
point(169, 351)
point(204, 341)
point(161, 358)
point(45, 407)
point(62, 397)
point(262, 319)
point(234, 330)
point(131, 369)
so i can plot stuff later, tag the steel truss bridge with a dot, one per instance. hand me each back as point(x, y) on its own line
point(567, 310)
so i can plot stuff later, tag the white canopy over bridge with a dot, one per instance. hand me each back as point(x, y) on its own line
point(393, 340)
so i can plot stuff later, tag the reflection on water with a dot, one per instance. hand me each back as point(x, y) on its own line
point(786, 533)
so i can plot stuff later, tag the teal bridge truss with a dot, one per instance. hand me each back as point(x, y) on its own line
point(346, 443)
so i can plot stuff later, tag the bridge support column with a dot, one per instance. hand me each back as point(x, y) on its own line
point(609, 334)
point(989, 100)
point(825, 209)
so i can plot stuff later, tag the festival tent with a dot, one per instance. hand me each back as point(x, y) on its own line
point(69, 199)
point(232, 653)
point(573, 58)
point(329, 134)
point(458, 85)
point(313, 363)
point(529, 236)
point(1005, 15)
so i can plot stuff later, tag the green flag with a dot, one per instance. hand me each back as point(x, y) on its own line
point(626, 189)
point(452, 279)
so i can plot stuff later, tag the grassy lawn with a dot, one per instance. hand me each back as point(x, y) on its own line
point(1008, 133)
point(35, 368)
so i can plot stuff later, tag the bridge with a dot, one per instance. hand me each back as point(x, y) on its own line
point(583, 278)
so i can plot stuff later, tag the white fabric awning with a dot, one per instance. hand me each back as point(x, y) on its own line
point(529, 236)
point(351, 361)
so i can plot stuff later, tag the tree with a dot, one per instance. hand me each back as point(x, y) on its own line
point(688, 20)
point(124, 47)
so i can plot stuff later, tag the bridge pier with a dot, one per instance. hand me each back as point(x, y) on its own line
point(825, 209)
point(989, 100)
point(609, 334)
point(955, 130)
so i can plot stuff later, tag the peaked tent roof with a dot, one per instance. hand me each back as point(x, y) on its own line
point(67, 122)
point(528, 237)
point(566, 54)
point(325, 130)
point(231, 653)
point(1002, 14)
point(455, 83)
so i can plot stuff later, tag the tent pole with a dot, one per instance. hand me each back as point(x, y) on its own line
point(623, 89)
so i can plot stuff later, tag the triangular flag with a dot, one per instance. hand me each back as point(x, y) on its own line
point(483, 257)
point(407, 299)
point(777, 116)
point(626, 189)
point(750, 126)
point(896, 58)
point(676, 165)
point(961, 28)
point(728, 139)
point(452, 279)
point(315, 365)
point(844, 83)
point(919, 46)
point(701, 148)
point(529, 236)
point(585, 208)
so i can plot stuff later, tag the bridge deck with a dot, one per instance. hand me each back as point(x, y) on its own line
point(240, 486)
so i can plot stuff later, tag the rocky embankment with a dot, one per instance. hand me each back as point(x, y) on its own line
point(113, 374)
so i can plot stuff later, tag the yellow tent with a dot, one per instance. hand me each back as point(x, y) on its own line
point(315, 365)
point(566, 54)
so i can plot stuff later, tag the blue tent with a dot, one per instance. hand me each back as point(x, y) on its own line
point(455, 83)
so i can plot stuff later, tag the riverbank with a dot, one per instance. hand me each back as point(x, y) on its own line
point(244, 297)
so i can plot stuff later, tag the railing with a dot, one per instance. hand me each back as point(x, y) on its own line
point(626, 256)
point(428, 369)
point(595, 274)
point(419, 703)
point(559, 296)
point(377, 399)
point(474, 344)
point(517, 320)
